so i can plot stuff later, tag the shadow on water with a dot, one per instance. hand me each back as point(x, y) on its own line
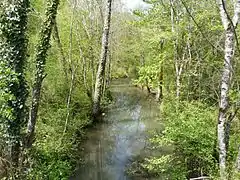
point(111, 146)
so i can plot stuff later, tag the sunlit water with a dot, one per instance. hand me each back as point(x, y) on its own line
point(123, 135)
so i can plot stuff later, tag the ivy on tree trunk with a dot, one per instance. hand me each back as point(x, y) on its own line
point(41, 55)
point(13, 88)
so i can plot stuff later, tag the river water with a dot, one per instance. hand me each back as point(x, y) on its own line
point(123, 135)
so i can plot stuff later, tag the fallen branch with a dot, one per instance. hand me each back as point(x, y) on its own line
point(200, 178)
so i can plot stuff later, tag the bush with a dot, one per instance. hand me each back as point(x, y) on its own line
point(55, 154)
point(190, 128)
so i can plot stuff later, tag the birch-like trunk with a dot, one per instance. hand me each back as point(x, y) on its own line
point(229, 27)
point(178, 82)
point(178, 71)
point(102, 62)
point(159, 95)
point(73, 71)
point(223, 106)
point(41, 55)
point(108, 80)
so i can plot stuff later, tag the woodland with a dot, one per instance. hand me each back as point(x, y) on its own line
point(59, 57)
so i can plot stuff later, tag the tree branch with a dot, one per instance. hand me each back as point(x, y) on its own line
point(199, 28)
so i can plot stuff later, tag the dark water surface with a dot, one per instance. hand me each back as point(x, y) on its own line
point(111, 145)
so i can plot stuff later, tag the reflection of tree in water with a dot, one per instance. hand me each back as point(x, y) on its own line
point(136, 112)
point(115, 143)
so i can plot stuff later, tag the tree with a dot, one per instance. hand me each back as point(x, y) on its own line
point(60, 47)
point(229, 27)
point(41, 55)
point(102, 62)
point(13, 89)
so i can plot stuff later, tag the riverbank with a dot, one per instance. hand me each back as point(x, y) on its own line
point(111, 146)
point(55, 153)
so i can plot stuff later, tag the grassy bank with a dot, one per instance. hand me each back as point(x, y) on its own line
point(190, 133)
point(56, 150)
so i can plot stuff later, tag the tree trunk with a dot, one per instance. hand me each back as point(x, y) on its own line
point(178, 82)
point(159, 95)
point(60, 48)
point(84, 67)
point(178, 71)
point(147, 86)
point(238, 160)
point(41, 55)
point(13, 90)
point(69, 98)
point(223, 106)
point(102, 63)
point(92, 67)
point(108, 80)
point(229, 27)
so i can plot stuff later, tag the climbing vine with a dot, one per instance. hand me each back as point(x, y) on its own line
point(13, 88)
point(41, 55)
point(45, 36)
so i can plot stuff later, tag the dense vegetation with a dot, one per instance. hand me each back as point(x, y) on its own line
point(57, 59)
point(182, 62)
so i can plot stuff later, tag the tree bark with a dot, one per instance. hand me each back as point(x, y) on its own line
point(108, 80)
point(229, 27)
point(41, 55)
point(178, 69)
point(102, 63)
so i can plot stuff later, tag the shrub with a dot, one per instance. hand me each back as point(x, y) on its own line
point(190, 128)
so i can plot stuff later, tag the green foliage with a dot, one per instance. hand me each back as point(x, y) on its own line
point(44, 40)
point(148, 75)
point(13, 89)
point(144, 46)
point(190, 129)
point(55, 154)
point(180, 48)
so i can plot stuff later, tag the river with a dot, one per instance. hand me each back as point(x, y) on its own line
point(123, 135)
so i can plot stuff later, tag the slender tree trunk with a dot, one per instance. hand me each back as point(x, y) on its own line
point(238, 160)
point(84, 73)
point(84, 66)
point(60, 48)
point(178, 71)
point(224, 104)
point(159, 95)
point(92, 8)
point(178, 80)
point(41, 55)
point(69, 98)
point(147, 86)
point(102, 63)
point(73, 71)
point(229, 27)
point(104, 84)
point(108, 80)
point(13, 89)
point(93, 76)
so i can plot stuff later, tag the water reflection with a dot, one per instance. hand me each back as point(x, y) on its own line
point(112, 145)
